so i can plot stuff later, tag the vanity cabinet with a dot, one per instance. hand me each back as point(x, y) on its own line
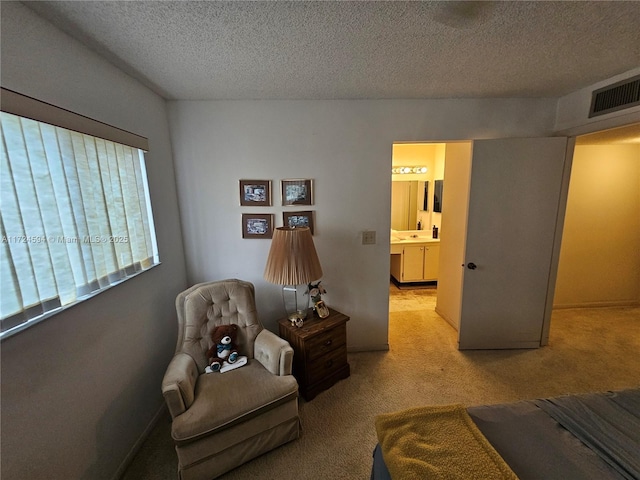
point(413, 263)
point(418, 262)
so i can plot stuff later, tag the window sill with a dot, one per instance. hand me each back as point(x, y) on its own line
point(36, 320)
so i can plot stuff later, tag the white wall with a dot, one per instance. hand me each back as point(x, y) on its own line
point(79, 389)
point(573, 109)
point(600, 254)
point(457, 176)
point(345, 146)
point(438, 174)
point(414, 154)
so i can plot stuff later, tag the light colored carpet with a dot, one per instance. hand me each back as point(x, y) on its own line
point(590, 350)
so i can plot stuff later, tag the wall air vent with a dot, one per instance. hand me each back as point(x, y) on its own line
point(621, 95)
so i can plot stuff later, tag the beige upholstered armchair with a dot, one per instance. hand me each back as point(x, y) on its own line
point(221, 420)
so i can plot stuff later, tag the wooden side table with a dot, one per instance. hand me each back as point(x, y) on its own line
point(320, 351)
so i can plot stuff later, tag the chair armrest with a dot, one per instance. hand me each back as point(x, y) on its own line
point(179, 383)
point(273, 352)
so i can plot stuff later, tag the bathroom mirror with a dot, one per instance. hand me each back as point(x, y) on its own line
point(407, 199)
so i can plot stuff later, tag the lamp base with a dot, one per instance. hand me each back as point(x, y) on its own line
point(297, 319)
point(298, 315)
point(295, 303)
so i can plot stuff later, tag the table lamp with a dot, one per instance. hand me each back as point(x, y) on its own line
point(292, 262)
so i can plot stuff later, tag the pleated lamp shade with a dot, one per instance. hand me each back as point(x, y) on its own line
point(292, 258)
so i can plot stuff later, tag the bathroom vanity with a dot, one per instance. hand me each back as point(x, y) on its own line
point(414, 256)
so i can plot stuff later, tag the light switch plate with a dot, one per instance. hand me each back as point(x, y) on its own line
point(369, 237)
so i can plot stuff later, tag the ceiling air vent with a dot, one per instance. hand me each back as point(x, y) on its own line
point(621, 95)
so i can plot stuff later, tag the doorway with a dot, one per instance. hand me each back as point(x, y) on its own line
point(599, 262)
point(415, 216)
point(417, 258)
point(629, 136)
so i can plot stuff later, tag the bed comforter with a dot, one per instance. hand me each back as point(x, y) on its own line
point(592, 436)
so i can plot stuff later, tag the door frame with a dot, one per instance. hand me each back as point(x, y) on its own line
point(557, 240)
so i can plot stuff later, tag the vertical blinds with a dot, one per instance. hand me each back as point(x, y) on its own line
point(75, 217)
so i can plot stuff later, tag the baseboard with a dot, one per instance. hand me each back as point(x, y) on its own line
point(372, 348)
point(415, 285)
point(630, 303)
point(162, 411)
point(446, 318)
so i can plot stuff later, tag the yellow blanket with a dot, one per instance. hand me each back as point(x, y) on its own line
point(437, 442)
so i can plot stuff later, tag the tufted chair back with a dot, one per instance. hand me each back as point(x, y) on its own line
point(207, 305)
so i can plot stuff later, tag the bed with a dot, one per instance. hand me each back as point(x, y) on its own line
point(588, 436)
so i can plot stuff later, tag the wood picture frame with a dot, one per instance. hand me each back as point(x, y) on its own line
point(257, 225)
point(298, 219)
point(321, 309)
point(255, 193)
point(297, 191)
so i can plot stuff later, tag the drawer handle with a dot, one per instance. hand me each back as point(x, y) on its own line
point(329, 363)
point(327, 343)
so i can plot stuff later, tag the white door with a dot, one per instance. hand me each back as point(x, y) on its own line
point(513, 212)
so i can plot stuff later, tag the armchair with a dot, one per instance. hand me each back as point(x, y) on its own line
point(221, 420)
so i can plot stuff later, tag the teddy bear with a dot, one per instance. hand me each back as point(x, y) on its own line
point(224, 346)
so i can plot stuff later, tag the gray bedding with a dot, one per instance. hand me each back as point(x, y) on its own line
point(594, 436)
point(608, 423)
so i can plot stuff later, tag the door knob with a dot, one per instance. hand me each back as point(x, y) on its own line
point(471, 266)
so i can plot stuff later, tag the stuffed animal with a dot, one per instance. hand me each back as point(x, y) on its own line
point(224, 346)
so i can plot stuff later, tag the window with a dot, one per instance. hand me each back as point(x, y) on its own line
point(75, 217)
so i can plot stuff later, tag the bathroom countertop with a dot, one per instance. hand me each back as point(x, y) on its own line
point(412, 236)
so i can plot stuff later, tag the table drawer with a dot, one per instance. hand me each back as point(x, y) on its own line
point(326, 342)
point(324, 366)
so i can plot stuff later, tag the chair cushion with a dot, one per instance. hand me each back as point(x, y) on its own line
point(218, 303)
point(225, 399)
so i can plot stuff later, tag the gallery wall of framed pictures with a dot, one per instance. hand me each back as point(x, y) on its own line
point(294, 192)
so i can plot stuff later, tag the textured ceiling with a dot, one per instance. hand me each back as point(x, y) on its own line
point(357, 50)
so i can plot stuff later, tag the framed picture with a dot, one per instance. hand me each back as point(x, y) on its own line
point(257, 225)
point(321, 309)
point(298, 219)
point(297, 192)
point(255, 193)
